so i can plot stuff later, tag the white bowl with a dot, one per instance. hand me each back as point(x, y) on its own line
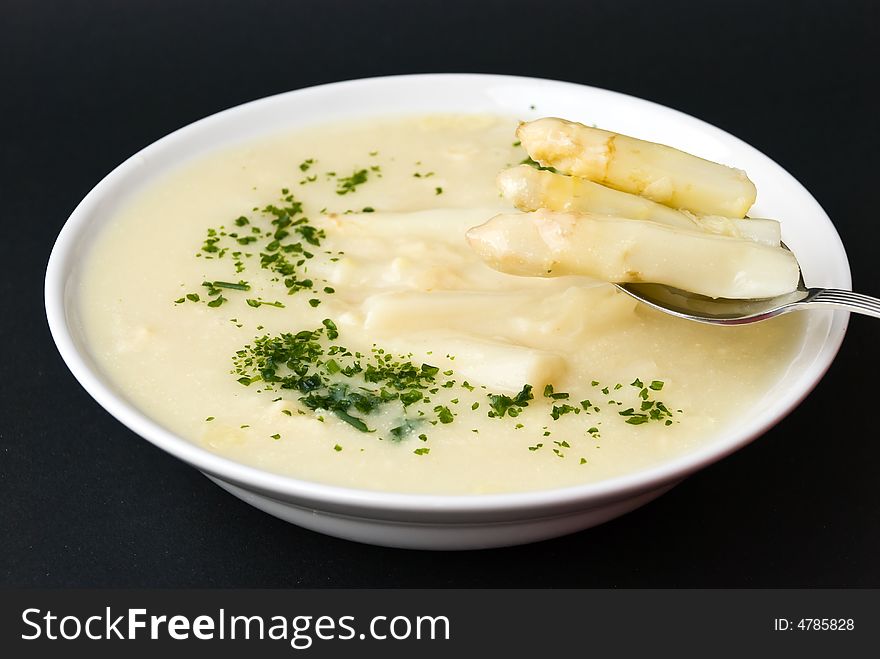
point(454, 522)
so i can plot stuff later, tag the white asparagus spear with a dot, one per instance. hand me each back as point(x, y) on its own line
point(535, 318)
point(530, 189)
point(666, 175)
point(547, 244)
point(759, 230)
point(498, 365)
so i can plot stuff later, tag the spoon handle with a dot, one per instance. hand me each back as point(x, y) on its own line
point(864, 304)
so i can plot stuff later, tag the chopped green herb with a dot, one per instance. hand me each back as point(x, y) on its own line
point(262, 303)
point(559, 410)
point(549, 393)
point(502, 404)
point(299, 362)
point(443, 414)
point(345, 185)
point(240, 286)
point(351, 420)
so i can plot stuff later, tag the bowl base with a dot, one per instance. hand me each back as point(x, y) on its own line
point(440, 536)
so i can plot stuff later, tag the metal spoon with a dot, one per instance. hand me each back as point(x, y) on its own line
point(721, 311)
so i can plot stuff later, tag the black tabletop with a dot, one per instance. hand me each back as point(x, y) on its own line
point(85, 502)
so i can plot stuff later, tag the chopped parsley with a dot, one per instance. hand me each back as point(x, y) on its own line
point(240, 286)
point(549, 393)
point(329, 377)
point(501, 404)
point(283, 245)
point(559, 410)
point(256, 304)
point(347, 184)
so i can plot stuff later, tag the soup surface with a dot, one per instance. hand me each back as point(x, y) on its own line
point(308, 305)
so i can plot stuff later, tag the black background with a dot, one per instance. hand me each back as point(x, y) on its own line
point(84, 502)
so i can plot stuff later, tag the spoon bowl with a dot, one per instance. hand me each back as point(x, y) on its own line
point(723, 311)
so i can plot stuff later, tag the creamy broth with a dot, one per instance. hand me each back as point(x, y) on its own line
point(398, 278)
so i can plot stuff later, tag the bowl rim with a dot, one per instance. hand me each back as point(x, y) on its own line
point(540, 502)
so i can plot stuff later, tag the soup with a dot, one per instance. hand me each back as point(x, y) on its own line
point(308, 305)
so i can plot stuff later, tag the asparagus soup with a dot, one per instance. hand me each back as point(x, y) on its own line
point(309, 305)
